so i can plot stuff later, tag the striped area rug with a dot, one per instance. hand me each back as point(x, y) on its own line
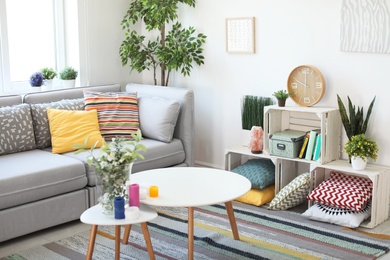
point(264, 234)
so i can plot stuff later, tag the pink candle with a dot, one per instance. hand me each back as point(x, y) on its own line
point(134, 195)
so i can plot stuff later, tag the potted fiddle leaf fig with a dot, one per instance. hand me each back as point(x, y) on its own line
point(68, 76)
point(174, 49)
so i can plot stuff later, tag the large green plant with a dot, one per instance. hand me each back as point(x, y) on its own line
point(176, 49)
point(355, 123)
point(252, 111)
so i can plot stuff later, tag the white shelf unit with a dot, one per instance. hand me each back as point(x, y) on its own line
point(380, 177)
point(327, 119)
point(277, 119)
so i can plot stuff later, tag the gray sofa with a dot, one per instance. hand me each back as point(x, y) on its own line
point(39, 189)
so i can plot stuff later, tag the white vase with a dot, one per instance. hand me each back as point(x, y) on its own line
point(68, 83)
point(358, 163)
point(48, 85)
point(35, 89)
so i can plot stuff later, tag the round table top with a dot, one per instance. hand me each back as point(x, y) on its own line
point(95, 216)
point(192, 186)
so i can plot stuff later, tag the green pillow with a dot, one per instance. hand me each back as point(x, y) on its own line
point(260, 172)
point(292, 194)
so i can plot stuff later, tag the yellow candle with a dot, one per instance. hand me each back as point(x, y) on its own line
point(153, 191)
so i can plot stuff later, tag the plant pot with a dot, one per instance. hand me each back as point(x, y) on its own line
point(68, 83)
point(281, 102)
point(358, 163)
point(48, 85)
point(35, 88)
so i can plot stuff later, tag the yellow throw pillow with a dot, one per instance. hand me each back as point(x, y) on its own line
point(258, 197)
point(68, 128)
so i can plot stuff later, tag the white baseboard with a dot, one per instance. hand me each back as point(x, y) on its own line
point(210, 165)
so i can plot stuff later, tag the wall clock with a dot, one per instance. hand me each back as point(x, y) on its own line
point(306, 85)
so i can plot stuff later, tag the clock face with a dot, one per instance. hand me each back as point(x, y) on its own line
point(306, 85)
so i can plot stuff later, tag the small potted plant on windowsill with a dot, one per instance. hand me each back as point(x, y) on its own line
point(68, 77)
point(359, 149)
point(281, 96)
point(48, 75)
point(36, 81)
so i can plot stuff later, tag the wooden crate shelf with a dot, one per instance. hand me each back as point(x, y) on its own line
point(380, 177)
point(277, 119)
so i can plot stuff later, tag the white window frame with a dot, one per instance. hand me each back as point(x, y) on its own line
point(6, 86)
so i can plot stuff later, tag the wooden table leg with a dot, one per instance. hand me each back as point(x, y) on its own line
point(126, 235)
point(147, 240)
point(232, 220)
point(91, 244)
point(117, 242)
point(190, 233)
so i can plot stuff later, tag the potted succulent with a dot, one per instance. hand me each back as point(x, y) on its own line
point(359, 148)
point(48, 75)
point(173, 49)
point(281, 96)
point(68, 76)
point(36, 81)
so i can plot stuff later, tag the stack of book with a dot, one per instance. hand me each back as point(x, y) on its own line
point(311, 147)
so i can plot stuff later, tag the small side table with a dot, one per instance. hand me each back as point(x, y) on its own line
point(95, 217)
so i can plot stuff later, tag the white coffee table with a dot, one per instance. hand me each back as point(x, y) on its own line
point(193, 187)
point(95, 217)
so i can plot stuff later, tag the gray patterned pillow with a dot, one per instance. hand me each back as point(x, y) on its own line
point(292, 194)
point(260, 172)
point(41, 122)
point(16, 129)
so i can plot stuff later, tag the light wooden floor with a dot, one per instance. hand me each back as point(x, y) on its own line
point(66, 230)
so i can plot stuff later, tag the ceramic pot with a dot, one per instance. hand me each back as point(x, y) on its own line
point(68, 83)
point(358, 163)
point(35, 88)
point(281, 102)
point(48, 85)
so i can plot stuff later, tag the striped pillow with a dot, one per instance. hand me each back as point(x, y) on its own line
point(117, 112)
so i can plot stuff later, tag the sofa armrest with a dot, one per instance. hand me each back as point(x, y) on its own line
point(184, 130)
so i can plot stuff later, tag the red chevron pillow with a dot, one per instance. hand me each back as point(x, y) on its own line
point(343, 191)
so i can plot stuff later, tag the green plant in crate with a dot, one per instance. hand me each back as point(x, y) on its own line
point(355, 123)
point(252, 110)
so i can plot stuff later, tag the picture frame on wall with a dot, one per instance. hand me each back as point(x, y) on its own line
point(240, 35)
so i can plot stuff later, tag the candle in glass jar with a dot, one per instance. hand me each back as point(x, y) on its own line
point(153, 191)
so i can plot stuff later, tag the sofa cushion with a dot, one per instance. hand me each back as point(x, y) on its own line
point(68, 128)
point(41, 122)
point(16, 129)
point(117, 112)
point(37, 174)
point(158, 117)
point(158, 155)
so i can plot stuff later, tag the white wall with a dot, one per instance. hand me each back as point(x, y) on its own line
point(100, 38)
point(288, 34)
